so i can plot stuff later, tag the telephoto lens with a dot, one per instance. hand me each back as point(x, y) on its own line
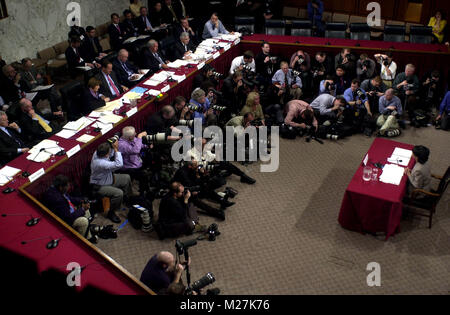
point(113, 139)
point(360, 93)
point(203, 282)
point(332, 137)
point(195, 108)
point(188, 123)
point(157, 138)
point(296, 73)
point(218, 108)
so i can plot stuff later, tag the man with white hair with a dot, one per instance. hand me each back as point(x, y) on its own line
point(125, 71)
point(11, 142)
point(204, 112)
point(406, 86)
point(184, 47)
point(161, 271)
point(152, 58)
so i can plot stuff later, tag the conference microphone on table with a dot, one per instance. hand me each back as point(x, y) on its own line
point(26, 173)
point(29, 223)
point(50, 245)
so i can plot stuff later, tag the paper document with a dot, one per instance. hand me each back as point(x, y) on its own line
point(30, 96)
point(154, 92)
point(400, 157)
point(110, 106)
point(136, 77)
point(7, 173)
point(152, 82)
point(39, 157)
point(110, 119)
point(392, 174)
point(85, 68)
point(85, 138)
point(42, 88)
point(138, 90)
point(66, 134)
point(178, 63)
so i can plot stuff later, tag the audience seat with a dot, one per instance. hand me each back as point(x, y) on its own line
point(420, 34)
point(102, 30)
point(53, 64)
point(340, 18)
point(275, 27)
point(301, 28)
point(335, 30)
point(72, 100)
point(166, 47)
point(290, 12)
point(392, 22)
point(394, 33)
point(105, 45)
point(327, 17)
point(60, 50)
point(244, 22)
point(357, 19)
point(302, 14)
point(359, 31)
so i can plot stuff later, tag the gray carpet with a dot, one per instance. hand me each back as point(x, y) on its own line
point(282, 236)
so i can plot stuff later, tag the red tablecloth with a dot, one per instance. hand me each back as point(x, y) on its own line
point(100, 271)
point(374, 206)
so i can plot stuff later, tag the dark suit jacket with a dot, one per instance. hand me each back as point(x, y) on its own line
point(179, 49)
point(27, 79)
point(32, 130)
point(131, 28)
point(141, 25)
point(91, 103)
point(9, 91)
point(156, 18)
point(178, 29)
point(116, 38)
point(122, 75)
point(149, 61)
point(87, 50)
point(59, 205)
point(104, 87)
point(8, 146)
point(73, 60)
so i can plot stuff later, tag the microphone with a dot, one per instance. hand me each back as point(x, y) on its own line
point(26, 173)
point(97, 129)
point(29, 223)
point(50, 245)
point(60, 153)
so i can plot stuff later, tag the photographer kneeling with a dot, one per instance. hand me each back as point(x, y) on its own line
point(390, 108)
point(300, 114)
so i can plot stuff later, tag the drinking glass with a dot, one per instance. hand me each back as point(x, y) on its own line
point(375, 174)
point(367, 173)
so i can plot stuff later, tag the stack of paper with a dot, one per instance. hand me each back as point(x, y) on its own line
point(152, 82)
point(392, 174)
point(110, 119)
point(85, 68)
point(42, 88)
point(130, 96)
point(81, 123)
point(66, 134)
point(154, 92)
point(400, 156)
point(177, 64)
point(39, 156)
point(102, 126)
point(7, 173)
point(109, 107)
point(85, 138)
point(179, 78)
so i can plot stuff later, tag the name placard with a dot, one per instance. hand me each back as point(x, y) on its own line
point(181, 79)
point(107, 129)
point(227, 47)
point(73, 151)
point(36, 175)
point(132, 112)
point(165, 89)
point(237, 41)
point(216, 55)
point(200, 65)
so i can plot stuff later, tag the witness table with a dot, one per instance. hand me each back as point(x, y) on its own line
point(424, 56)
point(101, 271)
point(374, 206)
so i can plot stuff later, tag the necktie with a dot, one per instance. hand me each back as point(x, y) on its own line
point(118, 28)
point(71, 205)
point(126, 69)
point(158, 58)
point(95, 46)
point(43, 124)
point(286, 82)
point(116, 91)
point(31, 76)
point(16, 139)
point(185, 47)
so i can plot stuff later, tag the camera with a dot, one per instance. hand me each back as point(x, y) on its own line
point(113, 139)
point(249, 83)
point(188, 123)
point(296, 73)
point(366, 63)
point(246, 68)
point(195, 108)
point(360, 93)
point(156, 138)
point(217, 93)
point(213, 232)
point(201, 283)
point(216, 74)
point(274, 59)
point(192, 189)
point(332, 137)
point(385, 62)
point(182, 247)
point(300, 60)
point(330, 86)
point(206, 166)
point(256, 123)
point(219, 108)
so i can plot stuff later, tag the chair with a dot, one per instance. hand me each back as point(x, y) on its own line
point(340, 18)
point(327, 17)
point(302, 14)
point(72, 100)
point(301, 28)
point(426, 201)
point(166, 47)
point(335, 30)
point(290, 12)
point(241, 22)
point(359, 31)
point(394, 33)
point(420, 34)
point(102, 30)
point(275, 27)
point(53, 64)
point(357, 19)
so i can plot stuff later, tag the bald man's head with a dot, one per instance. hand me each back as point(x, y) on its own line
point(389, 94)
point(166, 259)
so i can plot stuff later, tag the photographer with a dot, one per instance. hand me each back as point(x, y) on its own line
point(265, 65)
point(207, 77)
point(300, 61)
point(105, 161)
point(365, 68)
point(131, 146)
point(347, 61)
point(288, 85)
point(443, 119)
point(205, 112)
point(358, 115)
point(72, 210)
point(242, 62)
point(375, 89)
point(162, 121)
point(233, 91)
point(300, 114)
point(194, 175)
point(406, 86)
point(390, 108)
point(253, 106)
point(161, 272)
point(182, 112)
point(388, 68)
point(321, 67)
point(340, 80)
point(328, 86)
point(241, 121)
point(431, 90)
point(327, 107)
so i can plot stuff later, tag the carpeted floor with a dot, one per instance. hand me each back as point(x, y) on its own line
point(282, 236)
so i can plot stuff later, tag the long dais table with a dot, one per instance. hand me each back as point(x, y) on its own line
point(101, 271)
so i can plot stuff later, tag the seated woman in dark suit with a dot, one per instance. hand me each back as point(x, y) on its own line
point(92, 99)
point(420, 176)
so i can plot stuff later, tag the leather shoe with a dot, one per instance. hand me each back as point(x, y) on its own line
point(220, 215)
point(247, 179)
point(113, 217)
point(225, 203)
